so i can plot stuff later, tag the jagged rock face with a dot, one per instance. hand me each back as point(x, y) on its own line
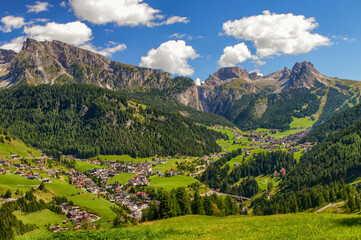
point(57, 62)
point(231, 72)
point(6, 56)
point(225, 75)
point(190, 98)
point(304, 74)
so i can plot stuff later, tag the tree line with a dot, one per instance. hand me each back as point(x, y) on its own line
point(86, 121)
point(178, 203)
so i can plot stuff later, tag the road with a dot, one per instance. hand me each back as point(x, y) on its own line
point(331, 205)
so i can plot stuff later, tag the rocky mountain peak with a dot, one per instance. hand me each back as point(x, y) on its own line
point(6, 56)
point(231, 72)
point(303, 74)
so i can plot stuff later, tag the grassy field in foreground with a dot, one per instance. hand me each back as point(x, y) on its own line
point(288, 226)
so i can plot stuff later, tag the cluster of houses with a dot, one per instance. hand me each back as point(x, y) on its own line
point(282, 172)
point(83, 182)
point(269, 143)
point(75, 215)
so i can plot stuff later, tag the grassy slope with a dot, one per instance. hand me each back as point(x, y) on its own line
point(84, 166)
point(121, 158)
point(17, 147)
point(168, 166)
point(86, 200)
point(42, 218)
point(169, 183)
point(13, 182)
point(288, 226)
point(122, 178)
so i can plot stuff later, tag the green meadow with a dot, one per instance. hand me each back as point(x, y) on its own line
point(16, 147)
point(121, 158)
point(122, 178)
point(84, 166)
point(13, 182)
point(170, 183)
point(40, 219)
point(287, 226)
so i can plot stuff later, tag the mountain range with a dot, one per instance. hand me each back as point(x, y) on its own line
point(246, 99)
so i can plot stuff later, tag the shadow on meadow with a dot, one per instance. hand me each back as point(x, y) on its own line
point(349, 221)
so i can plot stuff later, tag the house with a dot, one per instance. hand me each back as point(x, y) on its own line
point(56, 228)
point(141, 195)
point(283, 171)
point(46, 180)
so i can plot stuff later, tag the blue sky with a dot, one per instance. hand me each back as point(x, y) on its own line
point(188, 37)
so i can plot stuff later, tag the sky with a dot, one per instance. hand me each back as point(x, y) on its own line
point(195, 38)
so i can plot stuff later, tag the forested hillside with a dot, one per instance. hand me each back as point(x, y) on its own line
point(86, 121)
point(165, 102)
point(336, 123)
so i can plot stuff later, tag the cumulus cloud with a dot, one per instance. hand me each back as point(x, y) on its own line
point(275, 34)
point(171, 56)
point(232, 55)
point(11, 22)
point(198, 82)
point(39, 7)
point(16, 44)
point(121, 12)
point(75, 33)
point(108, 51)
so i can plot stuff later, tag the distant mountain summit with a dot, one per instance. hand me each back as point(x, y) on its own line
point(247, 99)
point(57, 62)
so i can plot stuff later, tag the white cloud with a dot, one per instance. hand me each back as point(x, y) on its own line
point(122, 12)
point(75, 33)
point(184, 36)
point(169, 21)
point(171, 56)
point(39, 7)
point(11, 22)
point(107, 52)
point(275, 34)
point(63, 4)
point(198, 82)
point(232, 55)
point(16, 44)
point(345, 38)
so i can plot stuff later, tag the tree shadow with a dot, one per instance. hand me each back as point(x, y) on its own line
point(349, 221)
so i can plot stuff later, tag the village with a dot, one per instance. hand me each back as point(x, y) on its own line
point(96, 180)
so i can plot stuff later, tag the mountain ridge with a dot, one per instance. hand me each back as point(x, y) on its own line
point(230, 92)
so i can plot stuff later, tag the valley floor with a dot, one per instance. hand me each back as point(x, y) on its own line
point(287, 226)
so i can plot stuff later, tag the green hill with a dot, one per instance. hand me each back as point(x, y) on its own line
point(86, 121)
point(334, 124)
point(289, 226)
point(12, 146)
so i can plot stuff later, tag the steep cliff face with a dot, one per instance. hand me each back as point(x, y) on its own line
point(304, 74)
point(232, 92)
point(6, 56)
point(57, 62)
